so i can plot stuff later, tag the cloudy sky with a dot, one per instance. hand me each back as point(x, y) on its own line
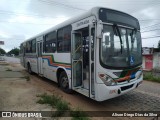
point(22, 19)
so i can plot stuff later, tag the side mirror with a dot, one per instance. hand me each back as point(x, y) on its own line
point(106, 40)
point(99, 29)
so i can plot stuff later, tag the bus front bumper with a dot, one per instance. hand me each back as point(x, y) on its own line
point(104, 92)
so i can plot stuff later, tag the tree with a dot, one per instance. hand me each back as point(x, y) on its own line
point(14, 51)
point(159, 44)
point(2, 51)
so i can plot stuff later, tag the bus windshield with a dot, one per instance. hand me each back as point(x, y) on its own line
point(120, 47)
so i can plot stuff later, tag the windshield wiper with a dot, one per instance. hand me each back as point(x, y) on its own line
point(132, 34)
point(116, 31)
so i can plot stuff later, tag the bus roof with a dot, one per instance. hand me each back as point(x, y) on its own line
point(92, 12)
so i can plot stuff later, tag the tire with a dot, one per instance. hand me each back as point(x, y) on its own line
point(29, 69)
point(64, 83)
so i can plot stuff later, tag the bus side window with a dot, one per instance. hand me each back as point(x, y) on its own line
point(50, 42)
point(60, 40)
point(34, 46)
point(67, 38)
point(29, 47)
point(64, 39)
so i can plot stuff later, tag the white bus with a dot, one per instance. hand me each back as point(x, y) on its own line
point(97, 54)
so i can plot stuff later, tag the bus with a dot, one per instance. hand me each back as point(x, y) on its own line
point(97, 54)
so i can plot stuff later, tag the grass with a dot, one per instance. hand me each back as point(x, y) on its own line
point(78, 114)
point(8, 69)
point(27, 78)
point(54, 101)
point(151, 77)
point(3, 64)
point(61, 106)
point(46, 99)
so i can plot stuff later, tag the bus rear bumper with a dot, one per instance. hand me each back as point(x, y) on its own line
point(107, 92)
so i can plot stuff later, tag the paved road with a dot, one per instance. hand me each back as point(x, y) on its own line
point(11, 59)
point(143, 98)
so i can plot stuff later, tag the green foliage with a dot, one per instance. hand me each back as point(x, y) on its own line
point(159, 44)
point(46, 99)
point(2, 51)
point(8, 69)
point(78, 114)
point(61, 106)
point(27, 78)
point(150, 77)
point(54, 101)
point(14, 51)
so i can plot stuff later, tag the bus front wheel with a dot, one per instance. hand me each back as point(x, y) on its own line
point(64, 83)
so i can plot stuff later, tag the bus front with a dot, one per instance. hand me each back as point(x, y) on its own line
point(119, 56)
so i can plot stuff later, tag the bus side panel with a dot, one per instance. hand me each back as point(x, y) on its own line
point(52, 62)
point(64, 61)
point(32, 60)
point(48, 69)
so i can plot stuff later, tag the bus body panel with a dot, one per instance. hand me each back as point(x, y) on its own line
point(83, 23)
point(53, 62)
point(105, 93)
point(32, 60)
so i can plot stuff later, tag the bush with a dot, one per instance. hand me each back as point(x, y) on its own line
point(151, 77)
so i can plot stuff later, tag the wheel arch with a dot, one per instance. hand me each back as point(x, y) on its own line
point(28, 63)
point(58, 73)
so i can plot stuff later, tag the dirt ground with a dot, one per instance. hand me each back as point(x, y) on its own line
point(19, 94)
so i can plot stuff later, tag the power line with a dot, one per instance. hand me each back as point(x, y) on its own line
point(24, 14)
point(36, 15)
point(14, 13)
point(150, 30)
point(25, 23)
point(151, 37)
point(151, 26)
point(143, 20)
point(58, 3)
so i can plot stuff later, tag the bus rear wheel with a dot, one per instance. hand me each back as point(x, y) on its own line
point(29, 69)
point(64, 83)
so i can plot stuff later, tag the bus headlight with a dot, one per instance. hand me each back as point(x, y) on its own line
point(107, 79)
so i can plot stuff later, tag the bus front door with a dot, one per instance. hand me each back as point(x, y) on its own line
point(77, 60)
point(83, 57)
point(40, 64)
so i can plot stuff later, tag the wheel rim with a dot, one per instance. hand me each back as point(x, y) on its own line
point(64, 82)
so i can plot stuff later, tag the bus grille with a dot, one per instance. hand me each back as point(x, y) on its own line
point(126, 87)
point(127, 80)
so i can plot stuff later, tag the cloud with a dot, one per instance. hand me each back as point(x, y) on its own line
point(24, 19)
point(3, 34)
point(12, 41)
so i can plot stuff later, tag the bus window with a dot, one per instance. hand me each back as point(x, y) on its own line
point(50, 42)
point(64, 39)
point(33, 45)
point(28, 47)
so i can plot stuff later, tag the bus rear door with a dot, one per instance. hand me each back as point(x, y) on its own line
point(39, 51)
